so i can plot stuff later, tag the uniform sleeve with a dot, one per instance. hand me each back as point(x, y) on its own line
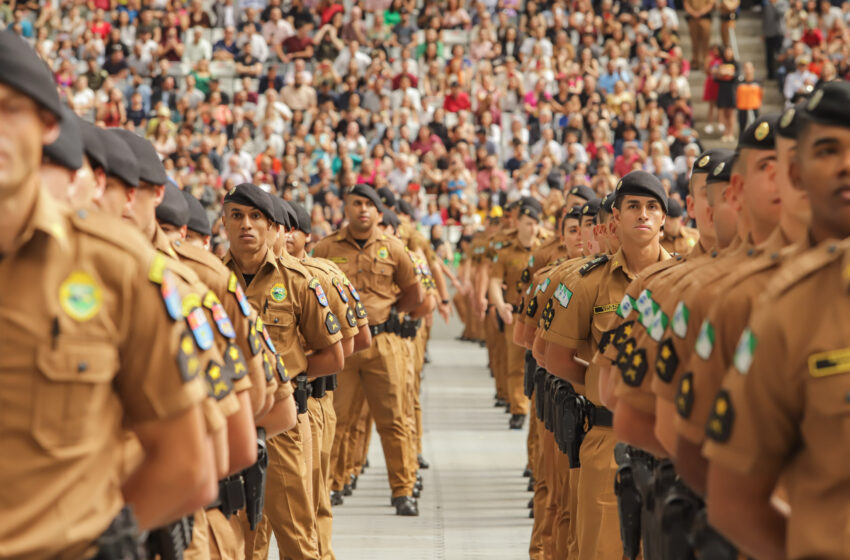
point(634, 370)
point(161, 373)
point(339, 307)
point(242, 329)
point(571, 309)
point(405, 272)
point(319, 326)
point(754, 422)
point(321, 250)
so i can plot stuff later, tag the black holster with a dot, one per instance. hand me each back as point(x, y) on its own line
point(708, 543)
point(121, 540)
point(575, 420)
point(301, 393)
point(541, 395)
point(678, 506)
point(231, 494)
point(528, 378)
point(255, 482)
point(318, 387)
point(331, 383)
point(394, 323)
point(170, 541)
point(409, 327)
point(628, 503)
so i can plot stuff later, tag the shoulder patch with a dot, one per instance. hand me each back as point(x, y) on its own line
point(316, 286)
point(625, 353)
point(563, 295)
point(685, 396)
point(197, 321)
point(635, 369)
point(332, 323)
point(268, 369)
point(622, 334)
point(360, 310)
point(600, 260)
point(667, 361)
point(254, 340)
point(217, 382)
point(234, 288)
point(234, 361)
point(351, 289)
point(531, 308)
point(721, 419)
point(280, 367)
point(349, 316)
point(222, 321)
point(187, 358)
point(338, 285)
point(743, 358)
point(263, 331)
point(548, 314)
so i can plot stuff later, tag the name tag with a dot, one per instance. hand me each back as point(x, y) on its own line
point(829, 363)
point(605, 308)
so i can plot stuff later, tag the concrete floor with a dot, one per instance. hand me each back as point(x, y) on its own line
point(474, 502)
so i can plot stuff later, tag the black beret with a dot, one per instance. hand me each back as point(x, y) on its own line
point(591, 207)
point(760, 134)
point(67, 150)
point(531, 202)
point(829, 105)
point(674, 209)
point(555, 180)
point(608, 203)
point(530, 211)
point(92, 144)
point(151, 169)
point(23, 70)
point(291, 216)
point(305, 223)
point(198, 222)
point(511, 205)
point(583, 191)
point(253, 196)
point(120, 159)
point(390, 219)
point(790, 120)
point(721, 171)
point(573, 213)
point(366, 192)
point(387, 197)
point(405, 208)
point(641, 183)
point(281, 215)
point(705, 162)
point(173, 209)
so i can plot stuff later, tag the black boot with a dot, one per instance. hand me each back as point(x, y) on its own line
point(423, 464)
point(336, 499)
point(406, 506)
point(516, 421)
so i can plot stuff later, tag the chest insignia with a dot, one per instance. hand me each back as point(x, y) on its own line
point(383, 253)
point(278, 292)
point(80, 296)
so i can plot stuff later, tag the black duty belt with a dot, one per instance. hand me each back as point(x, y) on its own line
point(331, 382)
point(599, 416)
point(379, 329)
point(318, 387)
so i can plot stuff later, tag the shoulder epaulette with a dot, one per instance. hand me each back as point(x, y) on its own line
point(198, 255)
point(795, 270)
point(600, 260)
point(294, 265)
point(114, 231)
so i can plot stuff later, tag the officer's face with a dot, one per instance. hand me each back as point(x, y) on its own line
point(57, 180)
point(198, 240)
point(172, 232)
point(361, 213)
point(142, 211)
point(698, 207)
point(247, 228)
point(296, 240)
point(526, 229)
point(572, 237)
point(88, 185)
point(588, 238)
point(26, 129)
point(724, 213)
point(673, 226)
point(640, 219)
point(822, 168)
point(795, 202)
point(116, 198)
point(759, 193)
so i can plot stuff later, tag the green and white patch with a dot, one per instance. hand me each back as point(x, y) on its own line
point(644, 302)
point(649, 314)
point(563, 295)
point(659, 326)
point(544, 285)
point(531, 261)
point(680, 320)
point(627, 305)
point(705, 340)
point(744, 351)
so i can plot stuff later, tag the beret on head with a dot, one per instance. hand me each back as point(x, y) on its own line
point(829, 105)
point(305, 222)
point(641, 183)
point(591, 207)
point(532, 202)
point(281, 214)
point(760, 134)
point(721, 171)
point(390, 219)
point(387, 197)
point(405, 208)
point(573, 213)
point(120, 160)
point(174, 209)
point(198, 222)
point(151, 169)
point(608, 203)
point(790, 120)
point(247, 194)
point(583, 191)
point(291, 215)
point(366, 192)
point(530, 211)
point(706, 160)
point(67, 150)
point(23, 70)
point(674, 209)
point(92, 143)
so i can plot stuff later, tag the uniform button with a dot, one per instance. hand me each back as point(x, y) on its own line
point(831, 248)
point(82, 367)
point(276, 320)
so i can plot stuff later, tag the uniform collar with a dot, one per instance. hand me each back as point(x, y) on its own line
point(268, 260)
point(162, 244)
point(345, 234)
point(49, 218)
point(619, 261)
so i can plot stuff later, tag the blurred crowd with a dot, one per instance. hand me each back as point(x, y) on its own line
point(456, 105)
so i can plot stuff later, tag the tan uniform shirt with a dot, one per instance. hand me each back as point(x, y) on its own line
point(378, 269)
point(88, 346)
point(511, 268)
point(784, 407)
point(682, 244)
point(544, 284)
point(336, 293)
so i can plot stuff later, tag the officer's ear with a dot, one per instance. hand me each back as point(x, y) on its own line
point(689, 205)
point(50, 130)
point(794, 174)
point(158, 194)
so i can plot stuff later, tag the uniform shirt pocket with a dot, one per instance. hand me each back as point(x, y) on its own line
point(382, 276)
point(73, 394)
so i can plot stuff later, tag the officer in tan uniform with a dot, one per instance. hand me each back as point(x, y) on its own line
point(290, 305)
point(698, 14)
point(678, 238)
point(583, 311)
point(198, 230)
point(791, 372)
point(62, 455)
point(378, 265)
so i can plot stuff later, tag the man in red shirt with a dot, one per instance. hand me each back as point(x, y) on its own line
point(626, 161)
point(457, 99)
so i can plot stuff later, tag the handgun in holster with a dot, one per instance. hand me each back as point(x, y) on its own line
point(409, 327)
point(707, 542)
point(540, 394)
point(122, 539)
point(331, 383)
point(551, 387)
point(628, 503)
point(170, 541)
point(528, 374)
point(575, 420)
point(231, 494)
point(301, 393)
point(558, 404)
point(393, 322)
point(651, 488)
point(255, 482)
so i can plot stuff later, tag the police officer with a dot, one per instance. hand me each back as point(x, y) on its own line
point(678, 238)
point(198, 230)
point(84, 377)
point(790, 372)
point(290, 305)
point(377, 264)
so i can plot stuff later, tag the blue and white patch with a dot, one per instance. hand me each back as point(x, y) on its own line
point(563, 295)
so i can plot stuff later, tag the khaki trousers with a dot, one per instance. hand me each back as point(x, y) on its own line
point(324, 512)
point(380, 374)
point(597, 518)
point(514, 372)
